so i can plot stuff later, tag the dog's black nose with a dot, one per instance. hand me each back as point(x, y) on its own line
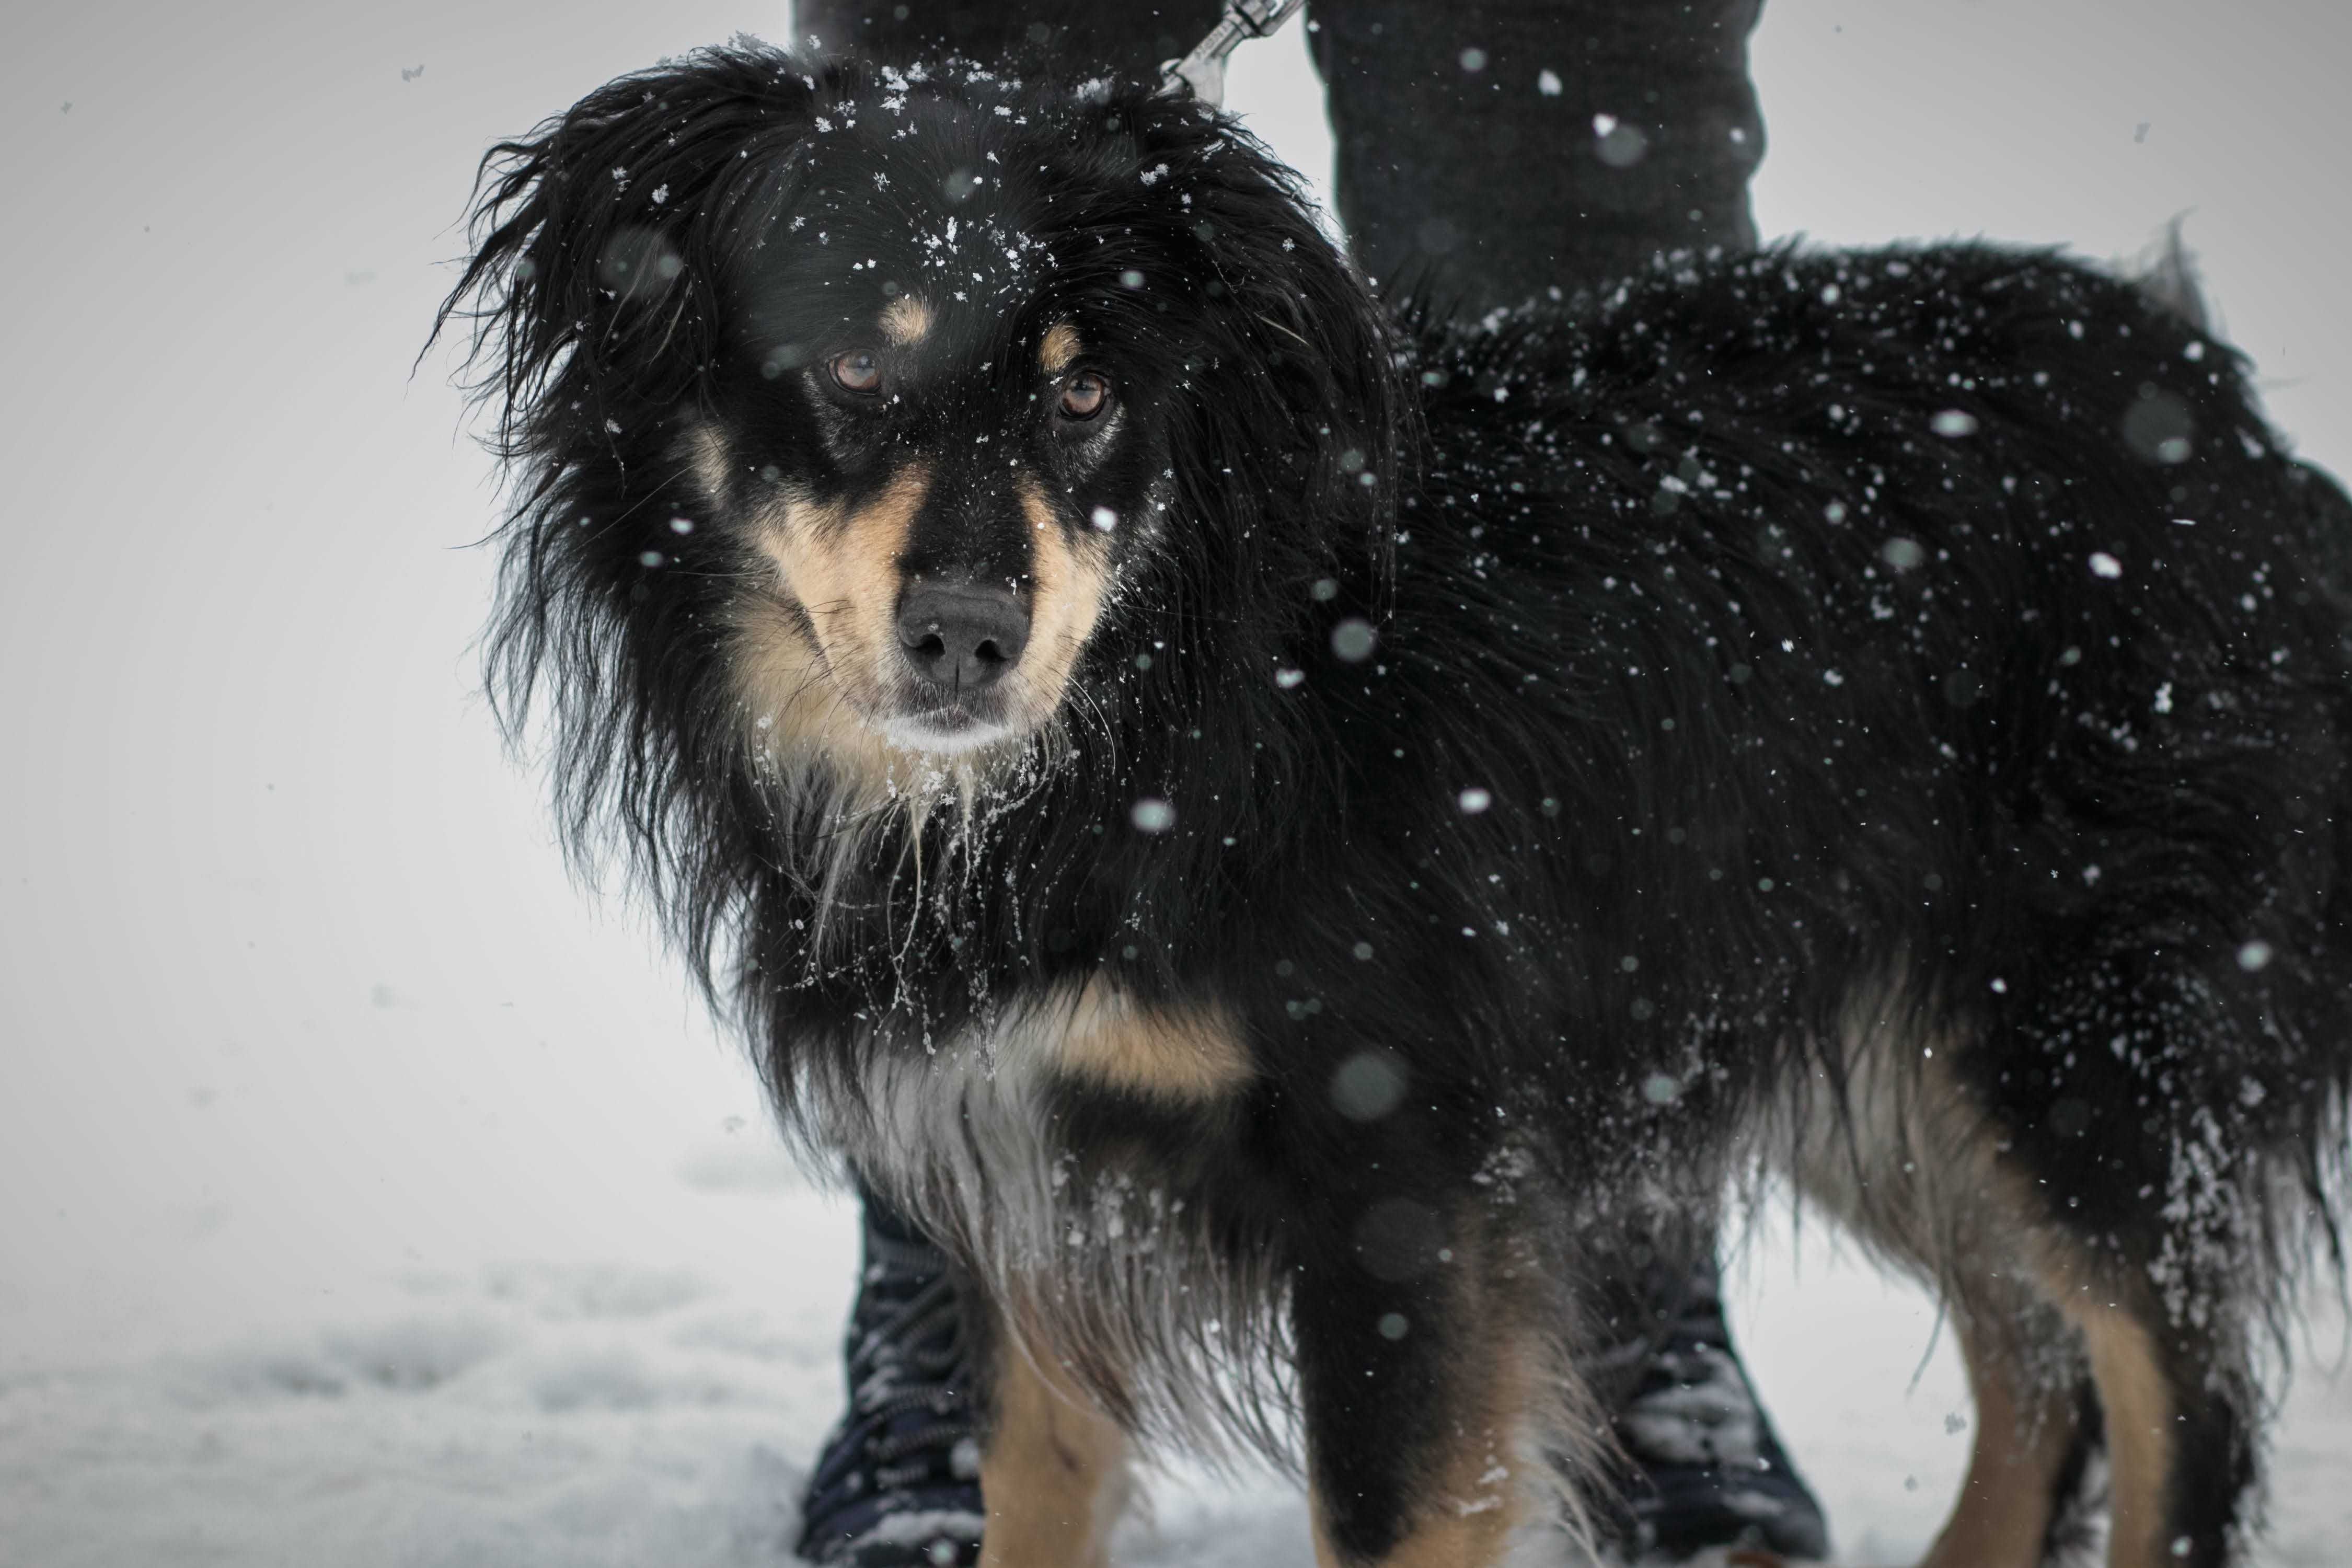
point(961, 636)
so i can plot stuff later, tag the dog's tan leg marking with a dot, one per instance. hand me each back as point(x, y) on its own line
point(1477, 1534)
point(1922, 1179)
point(2137, 1407)
point(1475, 1496)
point(1053, 1476)
point(2135, 1402)
point(906, 321)
point(1474, 1506)
point(1913, 1167)
point(1060, 348)
point(2002, 1515)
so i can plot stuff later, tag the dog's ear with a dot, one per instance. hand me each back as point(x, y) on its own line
point(598, 240)
point(592, 301)
point(1302, 364)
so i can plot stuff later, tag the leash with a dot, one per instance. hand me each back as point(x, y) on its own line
point(1203, 70)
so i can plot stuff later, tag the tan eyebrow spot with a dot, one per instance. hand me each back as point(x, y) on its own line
point(906, 321)
point(707, 458)
point(1060, 349)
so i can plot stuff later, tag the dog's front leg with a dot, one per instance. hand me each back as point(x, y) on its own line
point(1053, 1469)
point(1421, 1377)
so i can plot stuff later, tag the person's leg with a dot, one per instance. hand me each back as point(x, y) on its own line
point(1494, 180)
point(904, 1448)
point(1494, 151)
point(1506, 150)
point(1704, 1468)
point(1132, 36)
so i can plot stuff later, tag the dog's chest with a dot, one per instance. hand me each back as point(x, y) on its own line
point(966, 1131)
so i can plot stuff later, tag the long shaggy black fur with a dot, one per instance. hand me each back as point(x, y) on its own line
point(1576, 720)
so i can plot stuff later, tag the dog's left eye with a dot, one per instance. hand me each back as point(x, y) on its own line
point(1084, 395)
point(857, 371)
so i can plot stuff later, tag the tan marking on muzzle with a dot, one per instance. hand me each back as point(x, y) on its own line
point(841, 568)
point(906, 321)
point(1073, 584)
point(1059, 350)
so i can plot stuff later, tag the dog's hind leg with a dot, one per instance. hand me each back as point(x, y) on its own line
point(2102, 1366)
point(2081, 1176)
point(1905, 1160)
point(1053, 1469)
point(2032, 1441)
point(1432, 1398)
point(2144, 1107)
point(2179, 1410)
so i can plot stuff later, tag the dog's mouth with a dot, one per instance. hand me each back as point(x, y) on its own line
point(947, 729)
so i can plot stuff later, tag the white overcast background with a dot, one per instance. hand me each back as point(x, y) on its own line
point(369, 1193)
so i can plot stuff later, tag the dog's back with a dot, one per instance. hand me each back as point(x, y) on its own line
point(1940, 621)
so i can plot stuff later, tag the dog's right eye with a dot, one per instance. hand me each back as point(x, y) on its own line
point(858, 370)
point(1084, 395)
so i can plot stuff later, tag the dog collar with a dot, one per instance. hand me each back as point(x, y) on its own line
point(1203, 70)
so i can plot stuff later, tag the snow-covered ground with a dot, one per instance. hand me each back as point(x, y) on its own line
point(368, 1194)
point(581, 1413)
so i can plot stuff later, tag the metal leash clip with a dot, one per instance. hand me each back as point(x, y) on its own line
point(1203, 70)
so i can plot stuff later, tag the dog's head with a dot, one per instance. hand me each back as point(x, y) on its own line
point(872, 421)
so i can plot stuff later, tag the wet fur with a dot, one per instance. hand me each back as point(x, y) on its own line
point(1785, 665)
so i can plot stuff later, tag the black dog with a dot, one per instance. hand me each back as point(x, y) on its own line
point(1298, 844)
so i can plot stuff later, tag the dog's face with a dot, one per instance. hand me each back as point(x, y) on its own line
point(902, 415)
point(934, 519)
point(939, 435)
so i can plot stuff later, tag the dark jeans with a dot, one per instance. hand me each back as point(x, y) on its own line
point(1489, 149)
